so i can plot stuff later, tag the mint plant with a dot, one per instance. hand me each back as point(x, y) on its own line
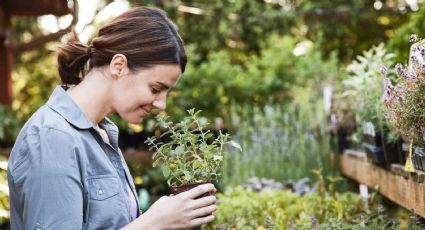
point(193, 155)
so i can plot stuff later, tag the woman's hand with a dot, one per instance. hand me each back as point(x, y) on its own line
point(179, 211)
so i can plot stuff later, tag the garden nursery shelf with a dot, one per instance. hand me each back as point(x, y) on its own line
point(404, 188)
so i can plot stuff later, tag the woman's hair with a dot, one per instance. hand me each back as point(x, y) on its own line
point(144, 35)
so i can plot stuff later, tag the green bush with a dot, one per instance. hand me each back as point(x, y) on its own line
point(9, 124)
point(239, 208)
point(268, 78)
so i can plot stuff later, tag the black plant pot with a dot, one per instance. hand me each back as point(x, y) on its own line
point(374, 153)
point(379, 149)
point(393, 151)
point(372, 145)
point(418, 158)
point(343, 140)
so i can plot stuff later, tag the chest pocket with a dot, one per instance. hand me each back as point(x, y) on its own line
point(105, 203)
point(103, 188)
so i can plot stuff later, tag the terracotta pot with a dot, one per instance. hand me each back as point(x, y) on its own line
point(187, 187)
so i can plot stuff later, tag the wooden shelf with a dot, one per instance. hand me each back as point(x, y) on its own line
point(404, 188)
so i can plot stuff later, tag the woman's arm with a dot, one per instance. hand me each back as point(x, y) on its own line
point(45, 187)
point(179, 211)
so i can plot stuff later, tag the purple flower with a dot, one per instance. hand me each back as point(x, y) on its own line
point(422, 50)
point(413, 58)
point(384, 70)
point(388, 85)
point(406, 75)
point(413, 38)
point(399, 68)
point(388, 88)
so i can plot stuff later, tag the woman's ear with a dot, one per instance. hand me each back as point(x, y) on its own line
point(119, 66)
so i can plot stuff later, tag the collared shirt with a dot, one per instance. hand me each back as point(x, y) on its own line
point(62, 175)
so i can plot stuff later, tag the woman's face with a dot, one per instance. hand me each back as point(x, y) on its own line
point(135, 94)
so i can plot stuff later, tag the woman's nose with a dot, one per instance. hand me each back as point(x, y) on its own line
point(159, 104)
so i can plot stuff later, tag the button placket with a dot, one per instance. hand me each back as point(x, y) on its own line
point(115, 159)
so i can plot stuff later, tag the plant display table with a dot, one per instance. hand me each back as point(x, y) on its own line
point(404, 188)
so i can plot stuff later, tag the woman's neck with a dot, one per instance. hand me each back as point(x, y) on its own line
point(92, 96)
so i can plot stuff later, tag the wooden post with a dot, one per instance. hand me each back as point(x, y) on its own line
point(6, 59)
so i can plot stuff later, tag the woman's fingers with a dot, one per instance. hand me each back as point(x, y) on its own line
point(202, 212)
point(204, 201)
point(197, 191)
point(201, 220)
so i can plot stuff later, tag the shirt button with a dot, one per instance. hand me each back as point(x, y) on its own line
point(100, 192)
point(37, 226)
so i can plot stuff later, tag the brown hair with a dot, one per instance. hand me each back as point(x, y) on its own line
point(144, 35)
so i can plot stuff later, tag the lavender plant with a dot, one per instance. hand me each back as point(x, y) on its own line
point(193, 154)
point(405, 101)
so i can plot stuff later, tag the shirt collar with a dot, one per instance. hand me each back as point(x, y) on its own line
point(63, 104)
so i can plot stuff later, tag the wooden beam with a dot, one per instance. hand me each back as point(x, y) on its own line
point(6, 60)
point(39, 41)
point(35, 7)
point(404, 188)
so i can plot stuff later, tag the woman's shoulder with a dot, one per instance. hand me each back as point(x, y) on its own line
point(46, 119)
point(44, 127)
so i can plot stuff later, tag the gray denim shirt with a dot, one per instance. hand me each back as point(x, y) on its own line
point(62, 175)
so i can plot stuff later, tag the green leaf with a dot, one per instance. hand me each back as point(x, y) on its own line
point(166, 171)
point(236, 145)
point(218, 157)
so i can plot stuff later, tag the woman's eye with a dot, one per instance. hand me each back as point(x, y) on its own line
point(155, 91)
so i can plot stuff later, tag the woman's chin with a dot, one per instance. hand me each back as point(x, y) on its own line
point(136, 120)
point(133, 119)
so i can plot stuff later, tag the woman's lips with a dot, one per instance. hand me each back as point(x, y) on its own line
point(145, 111)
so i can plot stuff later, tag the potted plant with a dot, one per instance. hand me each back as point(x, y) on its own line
point(192, 155)
point(363, 89)
point(405, 102)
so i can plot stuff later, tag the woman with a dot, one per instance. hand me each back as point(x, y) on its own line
point(66, 170)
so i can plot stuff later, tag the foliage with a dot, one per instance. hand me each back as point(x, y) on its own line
point(414, 25)
point(4, 192)
point(269, 78)
point(33, 85)
point(281, 209)
point(341, 25)
point(405, 102)
point(9, 124)
point(192, 155)
point(35, 72)
point(241, 25)
point(280, 142)
point(233, 25)
point(363, 87)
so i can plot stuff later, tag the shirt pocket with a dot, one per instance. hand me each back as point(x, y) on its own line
point(105, 202)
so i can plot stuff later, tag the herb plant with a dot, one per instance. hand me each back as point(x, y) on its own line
point(363, 88)
point(193, 154)
point(405, 101)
